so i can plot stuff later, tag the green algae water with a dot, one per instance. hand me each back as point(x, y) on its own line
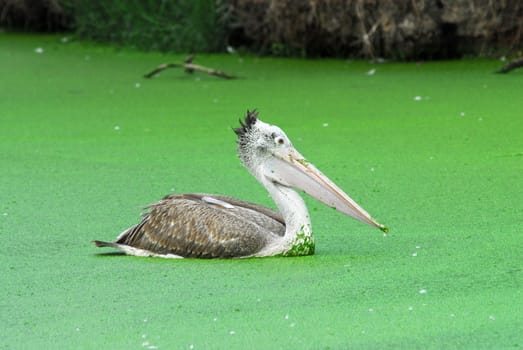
point(432, 150)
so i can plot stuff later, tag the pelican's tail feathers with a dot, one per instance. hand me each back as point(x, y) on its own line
point(105, 244)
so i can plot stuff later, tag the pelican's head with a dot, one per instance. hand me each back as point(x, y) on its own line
point(268, 154)
point(257, 141)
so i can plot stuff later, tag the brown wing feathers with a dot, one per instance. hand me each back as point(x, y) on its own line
point(187, 226)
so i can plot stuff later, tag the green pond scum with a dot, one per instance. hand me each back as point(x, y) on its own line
point(303, 245)
point(85, 141)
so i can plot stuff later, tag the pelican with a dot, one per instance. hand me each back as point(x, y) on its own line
point(215, 226)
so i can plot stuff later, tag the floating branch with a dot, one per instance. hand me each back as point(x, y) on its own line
point(516, 63)
point(189, 67)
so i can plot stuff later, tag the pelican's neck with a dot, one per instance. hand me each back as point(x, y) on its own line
point(298, 238)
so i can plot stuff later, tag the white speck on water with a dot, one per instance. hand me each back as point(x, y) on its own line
point(144, 336)
point(153, 347)
point(452, 315)
point(191, 346)
point(422, 291)
point(5, 214)
point(286, 316)
point(137, 85)
point(371, 310)
point(292, 325)
point(145, 320)
point(362, 332)
point(117, 127)
point(232, 332)
point(325, 125)
point(417, 98)
point(39, 50)
point(78, 329)
point(410, 308)
point(371, 72)
point(418, 246)
point(145, 343)
point(414, 254)
point(492, 318)
point(462, 114)
point(64, 39)
point(372, 169)
point(258, 300)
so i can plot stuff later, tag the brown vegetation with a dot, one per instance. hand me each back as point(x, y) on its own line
point(38, 15)
point(399, 29)
point(379, 28)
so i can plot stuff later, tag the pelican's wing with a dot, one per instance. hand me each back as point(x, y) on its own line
point(203, 226)
point(263, 216)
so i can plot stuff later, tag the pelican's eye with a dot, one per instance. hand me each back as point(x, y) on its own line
point(279, 140)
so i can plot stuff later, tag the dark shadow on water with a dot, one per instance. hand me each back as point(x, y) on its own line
point(115, 253)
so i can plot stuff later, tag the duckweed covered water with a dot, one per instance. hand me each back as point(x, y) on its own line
point(86, 142)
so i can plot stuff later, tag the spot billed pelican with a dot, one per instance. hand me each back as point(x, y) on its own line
point(216, 226)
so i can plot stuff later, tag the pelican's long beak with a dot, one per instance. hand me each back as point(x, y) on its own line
point(290, 168)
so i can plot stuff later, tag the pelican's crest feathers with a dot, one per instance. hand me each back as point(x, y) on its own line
point(245, 127)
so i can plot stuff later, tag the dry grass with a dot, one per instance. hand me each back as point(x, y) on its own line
point(399, 29)
point(35, 15)
point(387, 28)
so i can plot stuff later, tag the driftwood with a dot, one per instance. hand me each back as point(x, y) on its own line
point(516, 63)
point(190, 68)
